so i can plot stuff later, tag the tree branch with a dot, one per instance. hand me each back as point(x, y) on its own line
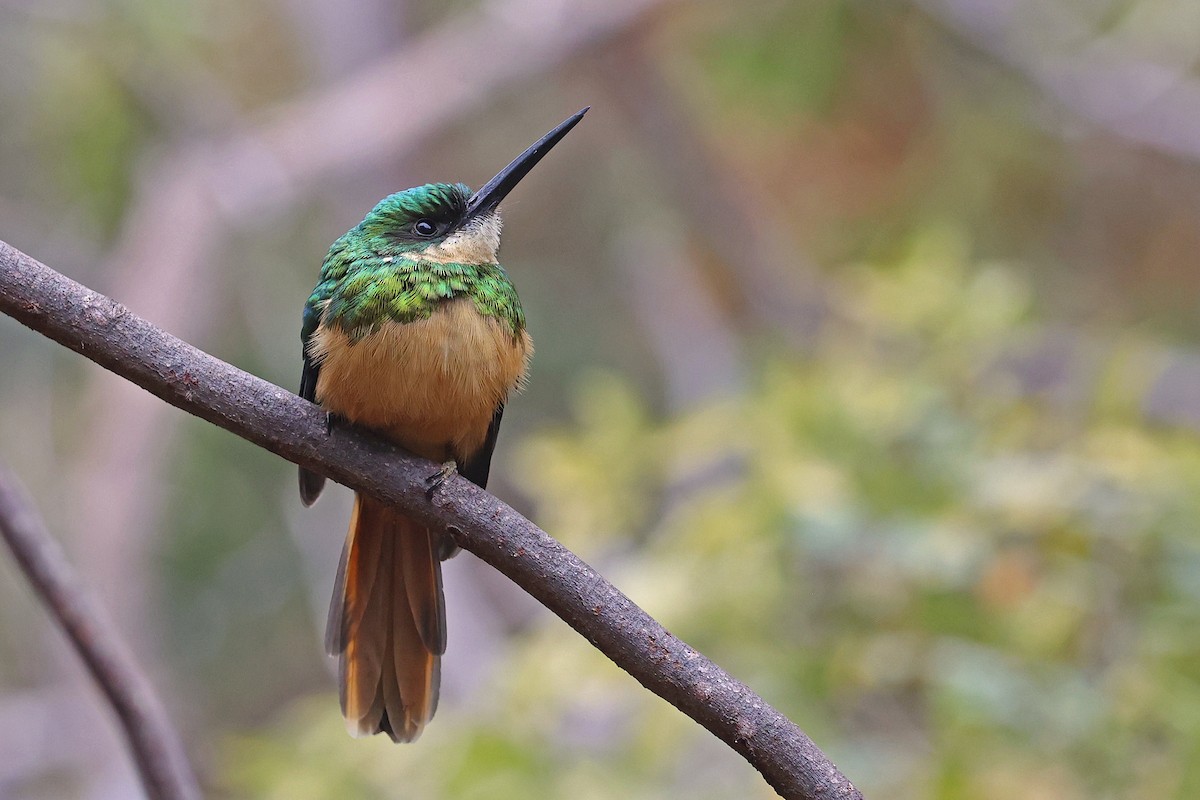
point(156, 747)
point(281, 422)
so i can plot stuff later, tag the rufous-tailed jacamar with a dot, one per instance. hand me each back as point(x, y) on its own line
point(415, 331)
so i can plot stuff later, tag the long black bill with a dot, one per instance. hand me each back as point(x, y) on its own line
point(495, 190)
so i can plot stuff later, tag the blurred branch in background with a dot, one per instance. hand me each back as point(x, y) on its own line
point(1126, 82)
point(770, 278)
point(153, 742)
point(1154, 102)
point(113, 337)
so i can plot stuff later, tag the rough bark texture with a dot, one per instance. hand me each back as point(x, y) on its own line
point(283, 423)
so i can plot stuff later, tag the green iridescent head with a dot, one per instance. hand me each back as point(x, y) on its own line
point(445, 220)
point(419, 214)
point(432, 222)
point(422, 247)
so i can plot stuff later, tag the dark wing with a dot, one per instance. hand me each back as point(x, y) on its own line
point(311, 483)
point(477, 468)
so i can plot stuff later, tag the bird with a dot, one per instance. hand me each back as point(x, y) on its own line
point(415, 332)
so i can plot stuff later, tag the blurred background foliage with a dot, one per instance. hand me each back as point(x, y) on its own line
point(866, 363)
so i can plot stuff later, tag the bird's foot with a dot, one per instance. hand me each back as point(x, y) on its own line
point(332, 419)
point(434, 482)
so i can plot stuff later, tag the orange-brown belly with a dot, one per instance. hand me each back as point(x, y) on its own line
point(430, 385)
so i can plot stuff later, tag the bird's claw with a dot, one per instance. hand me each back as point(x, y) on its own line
point(434, 482)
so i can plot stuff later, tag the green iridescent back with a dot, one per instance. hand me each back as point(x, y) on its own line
point(375, 274)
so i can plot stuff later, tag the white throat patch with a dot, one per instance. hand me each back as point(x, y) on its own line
point(478, 242)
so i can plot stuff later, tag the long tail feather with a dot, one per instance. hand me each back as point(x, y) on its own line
point(387, 623)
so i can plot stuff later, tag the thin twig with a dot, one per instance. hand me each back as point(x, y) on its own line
point(281, 422)
point(154, 743)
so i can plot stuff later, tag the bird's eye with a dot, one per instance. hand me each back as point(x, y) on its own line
point(424, 227)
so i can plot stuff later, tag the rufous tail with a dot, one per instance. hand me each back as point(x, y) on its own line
point(387, 623)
